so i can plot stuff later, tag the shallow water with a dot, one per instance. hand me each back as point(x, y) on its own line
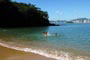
point(72, 41)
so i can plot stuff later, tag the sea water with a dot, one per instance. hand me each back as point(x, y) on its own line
point(66, 42)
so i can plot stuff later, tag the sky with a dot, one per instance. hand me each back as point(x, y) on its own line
point(63, 9)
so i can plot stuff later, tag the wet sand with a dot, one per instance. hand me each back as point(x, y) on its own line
point(10, 54)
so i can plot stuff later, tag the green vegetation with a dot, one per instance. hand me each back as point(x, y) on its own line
point(13, 14)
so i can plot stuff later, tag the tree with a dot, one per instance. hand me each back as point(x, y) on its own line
point(20, 14)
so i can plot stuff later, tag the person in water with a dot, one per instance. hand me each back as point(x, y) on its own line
point(46, 33)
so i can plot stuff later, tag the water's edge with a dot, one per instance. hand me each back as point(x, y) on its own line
point(47, 53)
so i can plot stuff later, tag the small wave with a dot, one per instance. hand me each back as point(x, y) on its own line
point(48, 53)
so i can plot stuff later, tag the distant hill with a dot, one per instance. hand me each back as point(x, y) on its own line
point(81, 19)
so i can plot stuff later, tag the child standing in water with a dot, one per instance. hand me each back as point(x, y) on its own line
point(45, 33)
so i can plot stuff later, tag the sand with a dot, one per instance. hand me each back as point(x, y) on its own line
point(10, 54)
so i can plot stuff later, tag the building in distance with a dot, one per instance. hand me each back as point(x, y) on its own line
point(81, 20)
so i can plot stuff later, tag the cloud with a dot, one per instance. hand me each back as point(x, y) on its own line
point(59, 12)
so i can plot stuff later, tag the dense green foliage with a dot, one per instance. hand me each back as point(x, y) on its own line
point(13, 14)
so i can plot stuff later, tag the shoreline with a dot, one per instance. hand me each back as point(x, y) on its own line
point(11, 54)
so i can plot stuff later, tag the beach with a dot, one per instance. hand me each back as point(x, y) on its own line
point(10, 54)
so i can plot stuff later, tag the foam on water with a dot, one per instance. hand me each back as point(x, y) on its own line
point(61, 55)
